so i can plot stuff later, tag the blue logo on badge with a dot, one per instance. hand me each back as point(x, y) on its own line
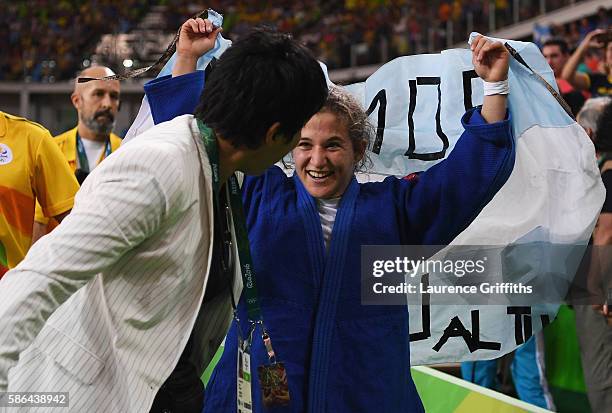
point(6, 155)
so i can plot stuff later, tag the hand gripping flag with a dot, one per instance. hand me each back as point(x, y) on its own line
point(144, 120)
point(549, 205)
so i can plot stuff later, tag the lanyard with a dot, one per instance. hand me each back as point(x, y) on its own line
point(232, 189)
point(552, 91)
point(83, 162)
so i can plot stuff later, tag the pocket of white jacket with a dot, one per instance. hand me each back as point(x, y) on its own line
point(79, 362)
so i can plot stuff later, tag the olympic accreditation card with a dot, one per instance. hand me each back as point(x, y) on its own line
point(245, 399)
point(274, 386)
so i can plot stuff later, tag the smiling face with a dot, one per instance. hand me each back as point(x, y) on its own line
point(325, 158)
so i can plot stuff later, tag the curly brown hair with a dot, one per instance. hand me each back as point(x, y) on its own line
point(349, 111)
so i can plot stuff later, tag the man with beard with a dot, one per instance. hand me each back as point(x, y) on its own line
point(84, 146)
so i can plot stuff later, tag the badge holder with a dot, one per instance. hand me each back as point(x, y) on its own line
point(244, 382)
point(272, 377)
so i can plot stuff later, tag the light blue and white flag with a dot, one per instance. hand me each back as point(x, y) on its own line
point(554, 194)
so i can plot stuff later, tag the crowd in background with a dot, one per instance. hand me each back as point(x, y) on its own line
point(378, 29)
point(41, 36)
point(573, 33)
point(46, 40)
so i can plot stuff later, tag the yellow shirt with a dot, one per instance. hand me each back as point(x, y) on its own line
point(31, 167)
point(67, 144)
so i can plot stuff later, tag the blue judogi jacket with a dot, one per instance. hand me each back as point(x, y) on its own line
point(341, 356)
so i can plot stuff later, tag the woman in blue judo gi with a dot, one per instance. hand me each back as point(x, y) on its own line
point(306, 233)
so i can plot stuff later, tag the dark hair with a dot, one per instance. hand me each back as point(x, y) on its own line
point(603, 132)
point(265, 77)
point(557, 42)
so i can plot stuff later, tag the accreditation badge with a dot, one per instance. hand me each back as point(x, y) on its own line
point(274, 386)
point(273, 378)
point(245, 399)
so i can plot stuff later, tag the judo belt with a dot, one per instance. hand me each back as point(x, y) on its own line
point(160, 62)
point(232, 190)
point(552, 90)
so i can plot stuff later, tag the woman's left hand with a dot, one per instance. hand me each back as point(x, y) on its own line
point(490, 59)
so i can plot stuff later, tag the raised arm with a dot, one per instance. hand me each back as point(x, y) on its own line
point(447, 197)
point(197, 37)
point(491, 62)
point(170, 97)
point(581, 81)
point(442, 201)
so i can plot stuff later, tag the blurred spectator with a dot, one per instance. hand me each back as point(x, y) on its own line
point(598, 84)
point(587, 118)
point(585, 27)
point(602, 20)
point(541, 34)
point(556, 53)
point(573, 35)
point(593, 328)
point(56, 39)
point(528, 373)
point(46, 42)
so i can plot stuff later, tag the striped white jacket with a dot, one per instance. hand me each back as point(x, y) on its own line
point(103, 306)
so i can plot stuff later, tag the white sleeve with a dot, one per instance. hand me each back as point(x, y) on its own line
point(121, 204)
point(142, 123)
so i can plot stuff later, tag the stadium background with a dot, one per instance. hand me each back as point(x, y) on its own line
point(45, 43)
